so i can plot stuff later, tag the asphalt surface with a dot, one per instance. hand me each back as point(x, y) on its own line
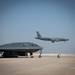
point(38, 66)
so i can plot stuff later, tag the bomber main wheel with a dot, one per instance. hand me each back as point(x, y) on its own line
point(32, 57)
point(39, 56)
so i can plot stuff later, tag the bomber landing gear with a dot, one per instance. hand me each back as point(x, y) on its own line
point(40, 54)
point(31, 54)
point(58, 56)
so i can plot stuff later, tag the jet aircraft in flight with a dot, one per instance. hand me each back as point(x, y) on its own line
point(20, 49)
point(53, 40)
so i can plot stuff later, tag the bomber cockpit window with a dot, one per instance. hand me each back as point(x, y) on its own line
point(23, 45)
point(26, 44)
point(33, 45)
point(36, 45)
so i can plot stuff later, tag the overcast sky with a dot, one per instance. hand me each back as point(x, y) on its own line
point(20, 19)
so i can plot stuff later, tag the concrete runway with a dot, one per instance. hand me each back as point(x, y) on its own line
point(49, 65)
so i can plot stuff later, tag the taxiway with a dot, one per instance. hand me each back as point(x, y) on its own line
point(49, 65)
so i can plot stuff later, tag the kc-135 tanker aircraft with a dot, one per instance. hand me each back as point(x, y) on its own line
point(53, 40)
